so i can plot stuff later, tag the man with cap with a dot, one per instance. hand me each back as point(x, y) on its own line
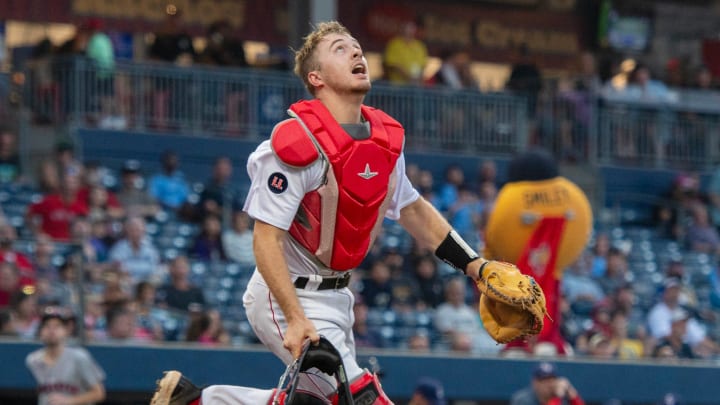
point(428, 391)
point(547, 388)
point(660, 319)
point(65, 375)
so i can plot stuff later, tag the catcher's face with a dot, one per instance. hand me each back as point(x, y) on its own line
point(342, 67)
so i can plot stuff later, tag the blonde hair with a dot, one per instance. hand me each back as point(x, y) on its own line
point(305, 61)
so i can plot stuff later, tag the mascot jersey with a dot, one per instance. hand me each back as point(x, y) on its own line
point(542, 226)
point(338, 222)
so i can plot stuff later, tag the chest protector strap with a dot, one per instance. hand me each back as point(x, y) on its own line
point(339, 221)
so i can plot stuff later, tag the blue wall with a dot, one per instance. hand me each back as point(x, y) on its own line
point(136, 369)
point(628, 186)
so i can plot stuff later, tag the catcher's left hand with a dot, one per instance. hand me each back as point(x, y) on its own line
point(512, 304)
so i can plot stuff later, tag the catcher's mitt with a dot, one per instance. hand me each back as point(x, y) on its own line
point(512, 304)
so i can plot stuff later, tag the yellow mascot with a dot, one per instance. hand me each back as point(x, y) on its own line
point(542, 222)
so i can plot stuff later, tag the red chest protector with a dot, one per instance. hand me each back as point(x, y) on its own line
point(339, 221)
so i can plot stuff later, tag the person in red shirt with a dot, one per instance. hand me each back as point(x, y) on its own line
point(25, 268)
point(55, 212)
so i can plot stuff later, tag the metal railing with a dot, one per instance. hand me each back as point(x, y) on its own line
point(247, 103)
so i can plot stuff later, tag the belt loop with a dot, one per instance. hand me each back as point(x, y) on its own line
point(313, 283)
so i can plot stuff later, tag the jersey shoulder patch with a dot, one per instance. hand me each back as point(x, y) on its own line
point(292, 145)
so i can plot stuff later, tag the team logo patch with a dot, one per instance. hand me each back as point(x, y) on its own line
point(277, 182)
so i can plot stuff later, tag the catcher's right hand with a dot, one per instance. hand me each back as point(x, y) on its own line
point(512, 304)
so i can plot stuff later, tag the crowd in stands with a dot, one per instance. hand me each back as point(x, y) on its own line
point(156, 258)
point(159, 258)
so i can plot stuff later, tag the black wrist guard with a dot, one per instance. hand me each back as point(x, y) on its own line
point(455, 251)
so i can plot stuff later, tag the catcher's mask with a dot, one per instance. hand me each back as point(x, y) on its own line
point(323, 356)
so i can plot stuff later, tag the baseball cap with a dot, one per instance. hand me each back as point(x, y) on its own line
point(545, 370)
point(671, 282)
point(131, 166)
point(432, 390)
point(52, 313)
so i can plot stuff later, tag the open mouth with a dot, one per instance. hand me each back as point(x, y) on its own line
point(359, 69)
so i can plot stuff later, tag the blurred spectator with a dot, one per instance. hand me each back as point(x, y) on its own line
point(626, 348)
point(581, 290)
point(660, 316)
point(465, 214)
point(101, 54)
point(208, 243)
point(169, 187)
point(600, 316)
point(676, 269)
point(683, 195)
point(237, 241)
point(132, 195)
point(405, 56)
point(102, 204)
point(455, 71)
point(65, 159)
point(63, 162)
point(701, 236)
point(9, 282)
point(377, 287)
point(425, 187)
point(122, 326)
point(428, 280)
point(218, 193)
point(172, 43)
point(600, 250)
point(10, 169)
point(703, 79)
point(675, 72)
point(54, 213)
point(525, 78)
point(450, 189)
point(222, 48)
point(643, 87)
point(364, 335)
point(63, 291)
point(601, 347)
point(625, 301)
point(206, 328)
point(115, 291)
point(616, 271)
point(454, 317)
point(547, 388)
point(65, 375)
point(179, 293)
point(6, 329)
point(428, 391)
point(487, 172)
point(419, 342)
point(144, 305)
point(135, 253)
point(588, 79)
point(674, 345)
point(42, 258)
point(25, 317)
point(8, 254)
point(92, 252)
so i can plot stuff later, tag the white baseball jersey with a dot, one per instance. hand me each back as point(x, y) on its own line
point(73, 373)
point(278, 206)
point(275, 195)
